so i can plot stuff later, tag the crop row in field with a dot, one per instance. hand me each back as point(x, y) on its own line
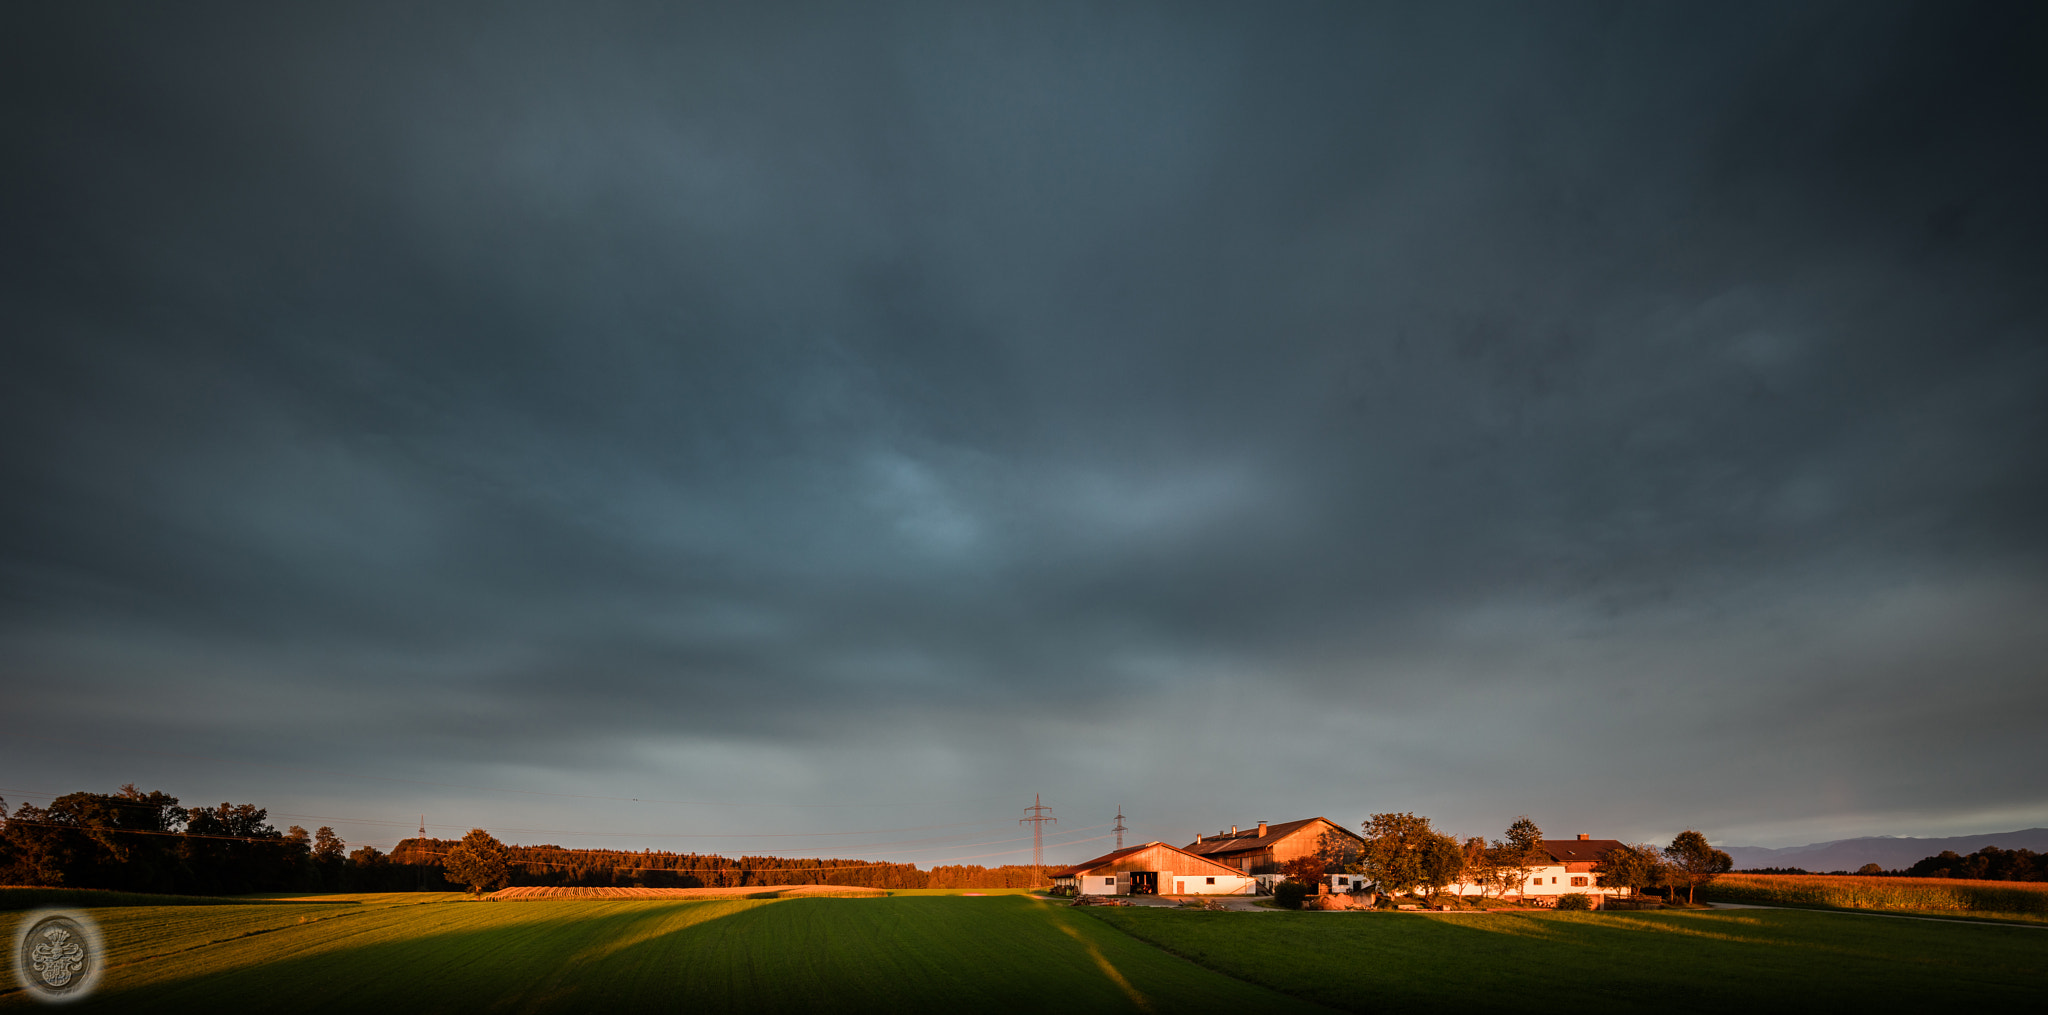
point(939, 954)
point(1017, 953)
point(1582, 963)
point(1854, 892)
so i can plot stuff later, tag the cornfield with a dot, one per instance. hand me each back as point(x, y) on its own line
point(1933, 894)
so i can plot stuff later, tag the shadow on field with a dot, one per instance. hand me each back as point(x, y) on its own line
point(488, 956)
point(840, 955)
point(1601, 962)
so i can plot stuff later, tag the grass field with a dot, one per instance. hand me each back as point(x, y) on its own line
point(393, 953)
point(2009, 899)
point(943, 951)
point(1752, 960)
point(12, 898)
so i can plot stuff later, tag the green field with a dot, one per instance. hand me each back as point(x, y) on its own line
point(394, 953)
point(1754, 959)
point(1011, 952)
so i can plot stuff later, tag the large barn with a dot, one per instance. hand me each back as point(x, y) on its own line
point(1154, 868)
point(1261, 850)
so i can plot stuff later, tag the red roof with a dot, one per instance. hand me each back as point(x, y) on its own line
point(1249, 839)
point(1108, 858)
point(1579, 850)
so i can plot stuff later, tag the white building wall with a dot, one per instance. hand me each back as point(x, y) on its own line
point(1170, 883)
point(1546, 882)
point(1210, 884)
point(1105, 884)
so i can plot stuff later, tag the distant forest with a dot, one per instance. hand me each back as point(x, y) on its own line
point(1987, 864)
point(145, 842)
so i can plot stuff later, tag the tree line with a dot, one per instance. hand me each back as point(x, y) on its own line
point(146, 842)
point(1404, 854)
point(1987, 864)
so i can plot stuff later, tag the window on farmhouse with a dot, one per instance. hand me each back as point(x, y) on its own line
point(1212, 881)
point(1109, 881)
point(1578, 882)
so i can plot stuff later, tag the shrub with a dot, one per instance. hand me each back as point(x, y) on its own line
point(1288, 894)
point(1574, 900)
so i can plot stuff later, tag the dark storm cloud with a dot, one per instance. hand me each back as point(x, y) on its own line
point(564, 386)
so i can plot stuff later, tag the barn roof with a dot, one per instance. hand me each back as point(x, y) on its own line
point(1250, 839)
point(1109, 858)
point(1579, 850)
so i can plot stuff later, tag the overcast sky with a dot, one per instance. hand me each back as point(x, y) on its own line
point(749, 420)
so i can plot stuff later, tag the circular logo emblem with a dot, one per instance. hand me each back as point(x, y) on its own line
point(57, 955)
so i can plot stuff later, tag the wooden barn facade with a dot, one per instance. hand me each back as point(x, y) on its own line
point(1154, 868)
point(1263, 849)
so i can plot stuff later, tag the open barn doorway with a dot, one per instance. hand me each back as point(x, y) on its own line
point(1144, 882)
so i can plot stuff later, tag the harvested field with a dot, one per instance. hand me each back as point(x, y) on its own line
point(752, 892)
point(1919, 895)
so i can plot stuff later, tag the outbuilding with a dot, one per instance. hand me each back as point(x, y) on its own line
point(1262, 849)
point(1154, 868)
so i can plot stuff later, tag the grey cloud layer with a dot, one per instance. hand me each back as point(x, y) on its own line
point(560, 383)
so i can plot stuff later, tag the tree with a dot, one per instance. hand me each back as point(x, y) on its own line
point(1694, 862)
point(1307, 870)
point(1630, 867)
point(1393, 852)
point(1441, 864)
point(1480, 868)
point(480, 862)
point(327, 846)
point(1518, 854)
point(329, 857)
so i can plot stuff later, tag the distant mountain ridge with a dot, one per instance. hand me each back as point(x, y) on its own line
point(1891, 852)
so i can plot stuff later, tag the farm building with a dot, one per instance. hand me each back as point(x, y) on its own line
point(1570, 870)
point(1261, 850)
point(1154, 868)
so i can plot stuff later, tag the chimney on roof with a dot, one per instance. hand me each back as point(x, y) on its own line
point(1583, 837)
point(1233, 829)
point(1262, 829)
point(1198, 838)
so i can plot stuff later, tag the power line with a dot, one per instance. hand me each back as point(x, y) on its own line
point(1037, 820)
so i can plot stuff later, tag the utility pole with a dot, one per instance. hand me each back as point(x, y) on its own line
point(1038, 820)
point(1120, 829)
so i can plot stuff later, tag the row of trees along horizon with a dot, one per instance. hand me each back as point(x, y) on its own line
point(145, 842)
point(1987, 864)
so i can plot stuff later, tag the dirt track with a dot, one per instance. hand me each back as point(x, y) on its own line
point(754, 892)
